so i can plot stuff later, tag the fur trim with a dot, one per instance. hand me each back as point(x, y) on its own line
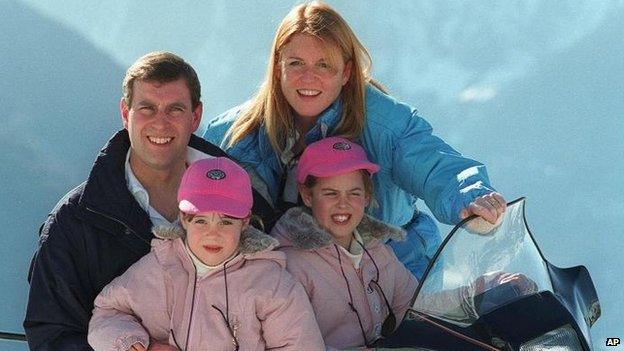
point(305, 233)
point(251, 239)
point(168, 232)
point(380, 230)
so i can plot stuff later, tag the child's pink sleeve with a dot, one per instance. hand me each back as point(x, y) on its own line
point(405, 287)
point(113, 325)
point(288, 321)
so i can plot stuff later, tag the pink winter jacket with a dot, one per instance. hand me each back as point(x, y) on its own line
point(159, 298)
point(312, 259)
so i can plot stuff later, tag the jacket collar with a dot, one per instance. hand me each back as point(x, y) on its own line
point(303, 231)
point(106, 192)
point(251, 240)
point(106, 188)
point(328, 119)
point(106, 199)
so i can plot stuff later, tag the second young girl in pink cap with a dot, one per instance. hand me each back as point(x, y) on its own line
point(358, 288)
point(216, 285)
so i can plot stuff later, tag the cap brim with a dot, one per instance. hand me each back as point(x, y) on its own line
point(195, 204)
point(330, 170)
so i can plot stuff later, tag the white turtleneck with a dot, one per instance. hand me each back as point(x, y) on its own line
point(201, 267)
point(355, 251)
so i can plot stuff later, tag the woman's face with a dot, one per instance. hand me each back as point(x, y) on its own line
point(338, 204)
point(213, 237)
point(309, 79)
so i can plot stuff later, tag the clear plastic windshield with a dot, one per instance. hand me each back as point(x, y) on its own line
point(482, 267)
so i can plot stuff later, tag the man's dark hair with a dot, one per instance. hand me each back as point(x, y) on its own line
point(162, 67)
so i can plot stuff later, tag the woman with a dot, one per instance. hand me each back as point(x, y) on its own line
point(318, 84)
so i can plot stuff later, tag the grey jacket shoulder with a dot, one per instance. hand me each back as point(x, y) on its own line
point(298, 228)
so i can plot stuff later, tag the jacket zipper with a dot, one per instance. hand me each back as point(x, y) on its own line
point(127, 228)
point(188, 333)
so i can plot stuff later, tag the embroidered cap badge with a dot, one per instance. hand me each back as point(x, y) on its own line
point(341, 145)
point(215, 174)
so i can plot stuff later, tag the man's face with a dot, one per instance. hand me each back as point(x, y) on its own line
point(160, 123)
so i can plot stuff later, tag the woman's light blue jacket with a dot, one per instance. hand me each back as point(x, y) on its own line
point(415, 164)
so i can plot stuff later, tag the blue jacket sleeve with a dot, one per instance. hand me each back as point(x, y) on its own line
point(216, 129)
point(59, 301)
point(424, 165)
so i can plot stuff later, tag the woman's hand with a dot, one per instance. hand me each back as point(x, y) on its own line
point(490, 207)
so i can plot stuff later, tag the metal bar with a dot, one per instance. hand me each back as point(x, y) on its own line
point(12, 336)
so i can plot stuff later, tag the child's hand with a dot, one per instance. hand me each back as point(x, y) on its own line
point(492, 279)
point(156, 346)
point(137, 347)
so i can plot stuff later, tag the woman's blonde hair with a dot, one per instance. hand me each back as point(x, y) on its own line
point(269, 105)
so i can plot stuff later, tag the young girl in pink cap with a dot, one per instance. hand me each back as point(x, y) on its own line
point(358, 288)
point(215, 284)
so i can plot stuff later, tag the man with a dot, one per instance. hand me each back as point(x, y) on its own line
point(104, 225)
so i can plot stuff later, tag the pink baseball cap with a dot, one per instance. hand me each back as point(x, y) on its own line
point(216, 185)
point(332, 156)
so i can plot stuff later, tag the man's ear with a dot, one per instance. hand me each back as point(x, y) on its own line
point(125, 111)
point(197, 115)
point(306, 195)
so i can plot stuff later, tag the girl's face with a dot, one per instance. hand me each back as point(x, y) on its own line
point(213, 237)
point(338, 204)
point(309, 79)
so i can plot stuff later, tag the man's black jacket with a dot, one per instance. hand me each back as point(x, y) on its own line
point(92, 235)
